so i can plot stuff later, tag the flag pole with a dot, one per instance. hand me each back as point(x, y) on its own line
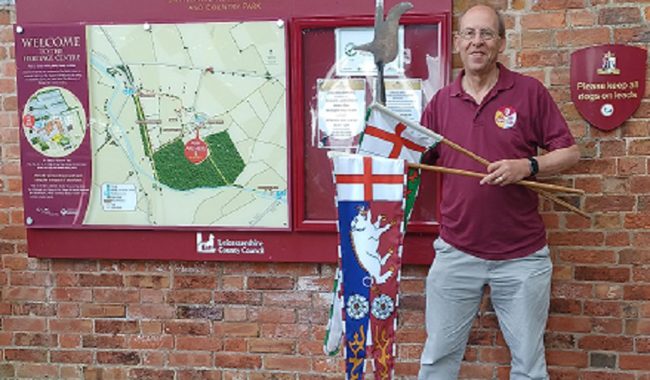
point(467, 173)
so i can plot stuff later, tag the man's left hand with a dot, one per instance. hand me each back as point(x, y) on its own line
point(506, 172)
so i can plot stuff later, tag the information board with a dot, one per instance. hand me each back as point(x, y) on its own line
point(169, 131)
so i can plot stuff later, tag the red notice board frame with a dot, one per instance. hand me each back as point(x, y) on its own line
point(430, 182)
point(305, 240)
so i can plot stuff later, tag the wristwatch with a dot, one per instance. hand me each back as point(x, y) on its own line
point(534, 166)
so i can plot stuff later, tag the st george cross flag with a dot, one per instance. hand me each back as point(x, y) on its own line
point(390, 135)
point(370, 203)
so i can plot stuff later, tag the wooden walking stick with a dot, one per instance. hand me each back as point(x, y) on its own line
point(541, 191)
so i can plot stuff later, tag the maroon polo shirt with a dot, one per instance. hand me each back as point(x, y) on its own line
point(516, 117)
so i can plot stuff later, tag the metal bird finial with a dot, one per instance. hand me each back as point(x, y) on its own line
point(384, 43)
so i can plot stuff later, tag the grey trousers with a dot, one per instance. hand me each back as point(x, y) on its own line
point(520, 294)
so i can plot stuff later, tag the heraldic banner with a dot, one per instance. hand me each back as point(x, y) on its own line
point(370, 204)
point(388, 134)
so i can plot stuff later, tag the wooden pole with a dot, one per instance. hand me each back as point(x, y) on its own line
point(472, 155)
point(532, 184)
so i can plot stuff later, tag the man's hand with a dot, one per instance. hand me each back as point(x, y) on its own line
point(506, 172)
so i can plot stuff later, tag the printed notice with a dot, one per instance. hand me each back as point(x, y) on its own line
point(119, 197)
point(404, 97)
point(341, 111)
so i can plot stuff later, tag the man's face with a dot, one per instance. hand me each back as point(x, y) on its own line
point(478, 40)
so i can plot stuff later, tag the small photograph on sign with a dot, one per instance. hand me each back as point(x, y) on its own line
point(54, 121)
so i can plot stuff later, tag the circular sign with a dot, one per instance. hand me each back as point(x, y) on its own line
point(196, 150)
point(54, 121)
point(607, 110)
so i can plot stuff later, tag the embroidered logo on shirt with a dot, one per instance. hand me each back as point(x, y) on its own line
point(505, 117)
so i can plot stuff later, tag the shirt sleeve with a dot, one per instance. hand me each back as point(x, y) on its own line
point(554, 130)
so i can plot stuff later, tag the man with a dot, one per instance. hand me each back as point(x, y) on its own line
point(491, 233)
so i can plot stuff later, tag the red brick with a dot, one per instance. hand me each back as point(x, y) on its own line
point(116, 327)
point(494, 355)
point(147, 281)
point(587, 256)
point(104, 341)
point(634, 256)
point(475, 371)
point(274, 314)
point(607, 325)
point(116, 295)
point(550, 20)
point(606, 343)
point(151, 311)
point(103, 311)
point(582, 37)
point(36, 371)
point(190, 296)
point(25, 355)
point(565, 306)
point(232, 360)
point(237, 329)
point(569, 324)
point(101, 280)
point(245, 298)
point(576, 238)
point(193, 374)
point(619, 15)
point(584, 273)
point(634, 362)
point(118, 357)
point(270, 283)
point(626, 166)
point(151, 374)
point(603, 309)
point(92, 373)
point(199, 343)
point(271, 346)
point(194, 282)
point(71, 325)
point(581, 17)
point(186, 328)
point(190, 359)
point(578, 359)
point(34, 309)
point(84, 357)
point(287, 363)
point(35, 339)
point(24, 324)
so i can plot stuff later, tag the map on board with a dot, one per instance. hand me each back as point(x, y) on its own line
point(188, 125)
point(54, 121)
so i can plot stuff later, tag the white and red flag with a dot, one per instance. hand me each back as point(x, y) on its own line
point(390, 135)
point(370, 205)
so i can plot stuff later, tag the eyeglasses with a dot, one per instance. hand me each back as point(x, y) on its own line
point(484, 34)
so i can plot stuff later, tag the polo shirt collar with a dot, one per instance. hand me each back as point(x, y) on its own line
point(506, 81)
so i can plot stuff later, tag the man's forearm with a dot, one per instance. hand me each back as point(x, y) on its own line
point(558, 160)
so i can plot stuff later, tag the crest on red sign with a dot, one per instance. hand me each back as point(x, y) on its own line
point(608, 83)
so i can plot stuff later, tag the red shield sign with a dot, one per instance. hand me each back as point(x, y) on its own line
point(608, 83)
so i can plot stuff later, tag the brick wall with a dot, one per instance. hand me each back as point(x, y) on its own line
point(175, 320)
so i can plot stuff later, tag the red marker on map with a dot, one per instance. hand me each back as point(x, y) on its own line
point(28, 121)
point(196, 150)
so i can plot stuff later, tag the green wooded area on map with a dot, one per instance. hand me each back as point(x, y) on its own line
point(221, 167)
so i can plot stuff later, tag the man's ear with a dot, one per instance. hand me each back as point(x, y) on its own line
point(456, 44)
point(502, 44)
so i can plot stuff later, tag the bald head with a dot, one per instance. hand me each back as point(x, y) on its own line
point(483, 11)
